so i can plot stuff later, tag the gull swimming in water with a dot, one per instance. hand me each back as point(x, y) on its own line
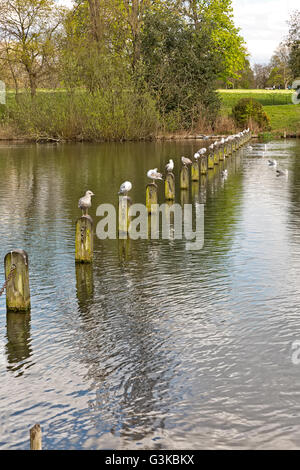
point(272, 162)
point(224, 173)
point(154, 175)
point(170, 166)
point(282, 172)
point(186, 161)
point(125, 188)
point(85, 202)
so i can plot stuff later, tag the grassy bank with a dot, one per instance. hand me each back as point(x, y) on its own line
point(284, 115)
point(122, 116)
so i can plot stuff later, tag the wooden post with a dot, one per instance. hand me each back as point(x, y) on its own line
point(84, 239)
point(125, 203)
point(210, 160)
point(36, 437)
point(17, 278)
point(203, 165)
point(151, 197)
point(195, 191)
point(184, 177)
point(170, 187)
point(195, 170)
point(216, 155)
point(222, 152)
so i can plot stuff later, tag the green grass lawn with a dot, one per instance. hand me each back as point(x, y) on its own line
point(284, 116)
point(265, 97)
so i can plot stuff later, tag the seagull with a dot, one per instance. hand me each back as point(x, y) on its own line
point(186, 161)
point(272, 162)
point(125, 188)
point(196, 155)
point(224, 173)
point(202, 151)
point(154, 175)
point(170, 166)
point(282, 172)
point(85, 202)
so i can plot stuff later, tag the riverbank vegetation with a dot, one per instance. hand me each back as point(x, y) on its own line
point(117, 69)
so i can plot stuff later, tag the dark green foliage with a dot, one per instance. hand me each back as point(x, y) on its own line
point(180, 69)
point(248, 111)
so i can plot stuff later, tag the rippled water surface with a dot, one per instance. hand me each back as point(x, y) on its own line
point(152, 346)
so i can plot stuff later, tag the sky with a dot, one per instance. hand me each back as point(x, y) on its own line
point(263, 25)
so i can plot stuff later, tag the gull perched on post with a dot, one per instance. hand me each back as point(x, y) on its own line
point(125, 188)
point(154, 175)
point(85, 202)
point(170, 166)
point(186, 161)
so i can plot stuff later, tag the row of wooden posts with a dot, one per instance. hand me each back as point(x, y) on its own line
point(16, 261)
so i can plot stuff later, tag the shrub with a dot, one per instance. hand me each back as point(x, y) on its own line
point(248, 111)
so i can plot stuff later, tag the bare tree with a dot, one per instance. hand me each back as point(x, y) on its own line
point(28, 29)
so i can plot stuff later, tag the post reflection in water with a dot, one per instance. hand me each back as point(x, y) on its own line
point(18, 346)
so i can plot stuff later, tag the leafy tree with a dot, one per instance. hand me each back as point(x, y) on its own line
point(180, 66)
point(280, 74)
point(261, 75)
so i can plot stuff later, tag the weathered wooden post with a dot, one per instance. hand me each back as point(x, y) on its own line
point(222, 152)
point(184, 197)
point(35, 437)
point(170, 186)
point(216, 155)
point(195, 170)
point(210, 160)
point(17, 281)
point(84, 239)
point(125, 202)
point(151, 197)
point(203, 165)
point(184, 177)
point(195, 191)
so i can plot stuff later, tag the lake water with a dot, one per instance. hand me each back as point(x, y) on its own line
point(153, 346)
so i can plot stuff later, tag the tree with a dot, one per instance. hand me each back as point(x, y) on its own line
point(280, 74)
point(293, 42)
point(261, 75)
point(28, 27)
point(180, 66)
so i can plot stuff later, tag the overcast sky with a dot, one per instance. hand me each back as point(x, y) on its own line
point(263, 24)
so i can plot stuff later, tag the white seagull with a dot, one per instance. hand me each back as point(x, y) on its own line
point(186, 161)
point(170, 166)
point(125, 188)
point(272, 162)
point(85, 202)
point(154, 175)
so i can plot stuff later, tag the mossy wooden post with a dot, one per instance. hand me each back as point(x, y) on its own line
point(216, 155)
point(84, 239)
point(17, 277)
point(125, 203)
point(170, 187)
point(184, 177)
point(151, 197)
point(210, 160)
point(195, 170)
point(222, 153)
point(35, 437)
point(203, 165)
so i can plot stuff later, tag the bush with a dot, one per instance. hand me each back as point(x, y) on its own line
point(248, 111)
point(119, 115)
